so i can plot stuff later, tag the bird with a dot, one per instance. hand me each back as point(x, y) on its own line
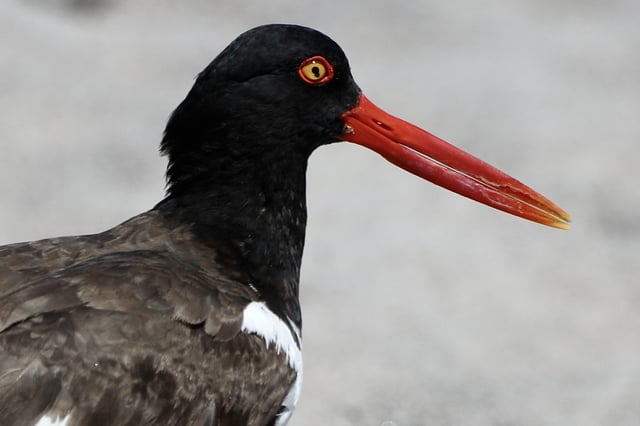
point(188, 313)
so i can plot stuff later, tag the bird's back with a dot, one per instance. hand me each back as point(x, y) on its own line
point(136, 325)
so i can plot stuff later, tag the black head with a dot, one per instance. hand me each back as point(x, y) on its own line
point(238, 147)
point(252, 105)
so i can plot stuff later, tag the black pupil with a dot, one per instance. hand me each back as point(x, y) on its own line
point(316, 71)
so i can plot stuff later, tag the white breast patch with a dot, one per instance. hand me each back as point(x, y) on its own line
point(258, 319)
point(47, 420)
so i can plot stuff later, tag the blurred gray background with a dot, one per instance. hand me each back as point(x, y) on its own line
point(420, 307)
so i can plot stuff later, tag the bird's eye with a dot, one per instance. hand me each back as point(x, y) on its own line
point(315, 70)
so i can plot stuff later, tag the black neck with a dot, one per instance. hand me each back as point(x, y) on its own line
point(252, 211)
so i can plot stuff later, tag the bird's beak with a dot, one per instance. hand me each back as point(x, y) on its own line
point(435, 160)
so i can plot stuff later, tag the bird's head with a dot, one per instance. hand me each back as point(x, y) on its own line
point(277, 92)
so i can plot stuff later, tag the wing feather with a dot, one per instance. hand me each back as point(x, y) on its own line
point(136, 325)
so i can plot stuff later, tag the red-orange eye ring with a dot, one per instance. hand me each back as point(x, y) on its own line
point(315, 70)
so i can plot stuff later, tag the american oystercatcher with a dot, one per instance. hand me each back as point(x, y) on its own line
point(188, 314)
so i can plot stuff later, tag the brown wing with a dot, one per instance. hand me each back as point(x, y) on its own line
point(142, 266)
point(146, 283)
point(133, 326)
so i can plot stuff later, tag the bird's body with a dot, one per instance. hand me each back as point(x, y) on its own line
point(189, 313)
point(137, 325)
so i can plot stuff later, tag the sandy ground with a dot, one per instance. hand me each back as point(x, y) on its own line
point(420, 307)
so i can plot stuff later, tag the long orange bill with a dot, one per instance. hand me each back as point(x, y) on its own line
point(437, 161)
